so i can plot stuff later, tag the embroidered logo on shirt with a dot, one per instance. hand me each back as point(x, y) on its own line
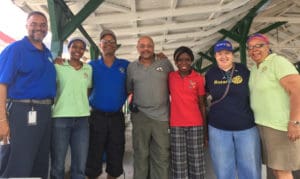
point(192, 84)
point(264, 69)
point(160, 69)
point(50, 59)
point(85, 75)
point(220, 82)
point(237, 79)
point(122, 70)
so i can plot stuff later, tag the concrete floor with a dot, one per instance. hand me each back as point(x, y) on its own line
point(128, 162)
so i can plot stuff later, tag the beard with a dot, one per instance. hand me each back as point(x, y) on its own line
point(38, 35)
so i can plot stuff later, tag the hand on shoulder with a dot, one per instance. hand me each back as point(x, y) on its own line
point(161, 56)
point(59, 60)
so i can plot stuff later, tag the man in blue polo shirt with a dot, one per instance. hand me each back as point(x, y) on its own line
point(107, 124)
point(27, 87)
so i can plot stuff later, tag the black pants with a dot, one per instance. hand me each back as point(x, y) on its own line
point(29, 143)
point(107, 134)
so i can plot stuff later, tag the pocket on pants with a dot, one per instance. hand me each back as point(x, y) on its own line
point(4, 155)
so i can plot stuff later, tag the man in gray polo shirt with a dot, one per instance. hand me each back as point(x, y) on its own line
point(147, 79)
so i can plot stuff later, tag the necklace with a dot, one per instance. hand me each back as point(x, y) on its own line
point(75, 65)
point(227, 74)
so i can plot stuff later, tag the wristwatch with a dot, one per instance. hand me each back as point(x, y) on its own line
point(296, 123)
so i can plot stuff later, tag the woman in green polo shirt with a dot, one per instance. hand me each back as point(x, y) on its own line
point(70, 113)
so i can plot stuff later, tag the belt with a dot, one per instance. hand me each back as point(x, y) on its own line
point(32, 101)
point(106, 113)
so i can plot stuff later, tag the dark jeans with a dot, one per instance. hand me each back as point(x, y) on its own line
point(73, 131)
point(30, 144)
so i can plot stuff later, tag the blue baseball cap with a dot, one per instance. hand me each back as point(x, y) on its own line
point(223, 45)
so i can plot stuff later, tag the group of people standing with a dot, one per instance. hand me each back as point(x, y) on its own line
point(45, 106)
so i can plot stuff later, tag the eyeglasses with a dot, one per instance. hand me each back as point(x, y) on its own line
point(255, 46)
point(35, 25)
point(106, 42)
point(145, 46)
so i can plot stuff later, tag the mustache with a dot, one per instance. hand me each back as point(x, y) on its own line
point(42, 31)
point(146, 52)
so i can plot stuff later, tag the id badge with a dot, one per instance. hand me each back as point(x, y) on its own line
point(32, 118)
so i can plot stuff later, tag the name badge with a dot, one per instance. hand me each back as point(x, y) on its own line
point(32, 118)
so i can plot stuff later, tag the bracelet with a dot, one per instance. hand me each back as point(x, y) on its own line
point(296, 123)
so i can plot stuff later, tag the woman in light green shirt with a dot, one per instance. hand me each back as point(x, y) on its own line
point(275, 99)
point(70, 113)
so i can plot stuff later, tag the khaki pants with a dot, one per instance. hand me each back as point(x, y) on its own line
point(151, 146)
